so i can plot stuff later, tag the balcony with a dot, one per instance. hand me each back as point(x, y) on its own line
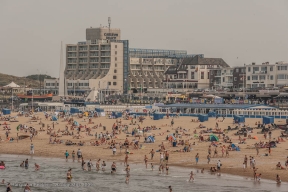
point(259, 72)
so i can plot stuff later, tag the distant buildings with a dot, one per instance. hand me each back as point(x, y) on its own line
point(105, 63)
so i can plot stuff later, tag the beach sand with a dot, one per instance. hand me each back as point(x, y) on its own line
point(233, 164)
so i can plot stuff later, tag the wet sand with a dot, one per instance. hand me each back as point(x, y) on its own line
point(233, 165)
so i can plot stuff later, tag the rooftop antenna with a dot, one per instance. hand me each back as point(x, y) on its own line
point(109, 22)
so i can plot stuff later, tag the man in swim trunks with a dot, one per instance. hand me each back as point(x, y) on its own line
point(66, 155)
point(126, 160)
point(145, 160)
point(103, 166)
point(98, 165)
point(166, 156)
point(152, 152)
point(79, 154)
point(113, 167)
point(89, 165)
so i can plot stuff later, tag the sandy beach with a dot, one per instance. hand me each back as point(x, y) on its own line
point(233, 164)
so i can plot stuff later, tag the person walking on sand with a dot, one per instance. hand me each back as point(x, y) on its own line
point(219, 164)
point(66, 155)
point(191, 176)
point(172, 122)
point(197, 158)
point(215, 152)
point(152, 152)
point(208, 158)
point(32, 149)
point(245, 161)
point(161, 158)
point(126, 160)
point(145, 160)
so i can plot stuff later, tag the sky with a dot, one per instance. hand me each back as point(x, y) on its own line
point(239, 31)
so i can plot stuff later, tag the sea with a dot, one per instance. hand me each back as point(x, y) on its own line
point(52, 178)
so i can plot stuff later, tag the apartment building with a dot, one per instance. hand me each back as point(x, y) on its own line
point(194, 72)
point(148, 66)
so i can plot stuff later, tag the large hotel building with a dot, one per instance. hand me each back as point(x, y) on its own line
point(105, 63)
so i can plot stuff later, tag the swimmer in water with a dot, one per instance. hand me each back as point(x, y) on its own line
point(69, 174)
point(127, 174)
point(113, 167)
point(103, 166)
point(202, 170)
point(167, 169)
point(37, 167)
point(278, 179)
point(26, 164)
point(191, 176)
point(27, 188)
point(160, 168)
point(152, 166)
point(22, 164)
point(98, 165)
point(8, 189)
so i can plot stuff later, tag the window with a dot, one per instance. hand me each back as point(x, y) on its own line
point(115, 58)
point(235, 78)
point(248, 78)
point(114, 83)
point(271, 76)
point(271, 68)
point(262, 77)
point(109, 83)
point(115, 71)
point(115, 46)
point(202, 75)
point(255, 68)
point(237, 70)
point(202, 66)
point(115, 64)
point(223, 79)
point(263, 68)
point(114, 77)
point(47, 84)
point(192, 66)
point(281, 76)
point(115, 52)
point(254, 77)
point(208, 74)
point(249, 69)
point(281, 68)
point(70, 84)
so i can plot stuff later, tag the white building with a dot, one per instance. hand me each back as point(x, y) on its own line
point(266, 75)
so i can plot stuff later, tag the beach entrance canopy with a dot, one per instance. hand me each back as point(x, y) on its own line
point(214, 138)
point(12, 84)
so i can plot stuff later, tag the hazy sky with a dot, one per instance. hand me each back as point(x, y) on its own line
point(31, 31)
